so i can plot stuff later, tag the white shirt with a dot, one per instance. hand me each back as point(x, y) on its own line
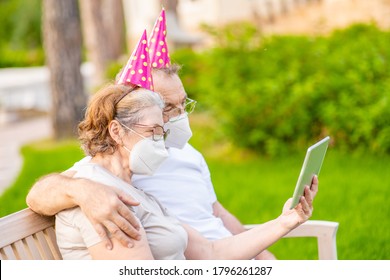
point(183, 186)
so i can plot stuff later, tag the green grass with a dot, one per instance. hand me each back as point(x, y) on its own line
point(354, 190)
point(40, 158)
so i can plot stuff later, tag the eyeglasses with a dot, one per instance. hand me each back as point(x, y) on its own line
point(176, 113)
point(157, 131)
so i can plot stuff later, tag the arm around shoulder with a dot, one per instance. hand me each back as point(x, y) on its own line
point(106, 207)
point(52, 193)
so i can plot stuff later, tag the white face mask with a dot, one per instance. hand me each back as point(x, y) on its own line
point(179, 132)
point(146, 156)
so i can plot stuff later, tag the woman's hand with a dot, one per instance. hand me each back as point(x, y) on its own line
point(291, 218)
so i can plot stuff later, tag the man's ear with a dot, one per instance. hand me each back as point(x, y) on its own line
point(116, 131)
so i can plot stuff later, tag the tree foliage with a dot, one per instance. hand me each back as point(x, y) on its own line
point(20, 33)
point(280, 93)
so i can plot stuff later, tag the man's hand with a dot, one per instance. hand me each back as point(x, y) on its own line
point(106, 208)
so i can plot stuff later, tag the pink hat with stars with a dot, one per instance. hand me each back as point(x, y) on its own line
point(138, 71)
point(158, 48)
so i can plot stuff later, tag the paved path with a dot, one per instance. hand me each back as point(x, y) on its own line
point(24, 89)
point(13, 135)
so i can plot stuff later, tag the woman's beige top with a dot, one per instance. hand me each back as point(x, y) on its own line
point(167, 238)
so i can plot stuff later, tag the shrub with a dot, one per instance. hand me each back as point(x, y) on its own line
point(192, 67)
point(21, 58)
point(279, 93)
point(20, 33)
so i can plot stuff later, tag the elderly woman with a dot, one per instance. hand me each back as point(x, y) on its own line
point(123, 132)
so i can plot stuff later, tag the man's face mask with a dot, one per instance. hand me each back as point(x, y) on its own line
point(178, 124)
point(179, 131)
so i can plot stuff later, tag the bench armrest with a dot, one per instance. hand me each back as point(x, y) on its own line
point(324, 231)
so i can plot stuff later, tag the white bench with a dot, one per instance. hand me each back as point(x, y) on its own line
point(324, 231)
point(26, 235)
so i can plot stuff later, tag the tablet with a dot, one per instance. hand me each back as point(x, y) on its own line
point(311, 166)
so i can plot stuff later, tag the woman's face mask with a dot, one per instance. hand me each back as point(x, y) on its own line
point(146, 156)
point(180, 132)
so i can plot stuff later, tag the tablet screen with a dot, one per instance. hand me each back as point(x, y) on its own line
point(311, 166)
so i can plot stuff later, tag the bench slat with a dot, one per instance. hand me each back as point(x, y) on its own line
point(51, 239)
point(44, 247)
point(21, 224)
point(7, 253)
point(25, 235)
point(33, 248)
point(21, 251)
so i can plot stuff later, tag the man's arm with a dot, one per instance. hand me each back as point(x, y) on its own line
point(235, 227)
point(53, 193)
point(104, 206)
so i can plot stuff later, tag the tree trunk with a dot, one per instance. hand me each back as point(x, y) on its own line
point(171, 5)
point(114, 22)
point(62, 43)
point(104, 33)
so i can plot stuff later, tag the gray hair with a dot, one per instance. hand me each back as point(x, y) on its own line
point(131, 109)
point(171, 70)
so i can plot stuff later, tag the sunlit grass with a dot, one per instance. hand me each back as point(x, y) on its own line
point(354, 191)
point(40, 158)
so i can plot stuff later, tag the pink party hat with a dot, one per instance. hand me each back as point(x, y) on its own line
point(138, 71)
point(158, 48)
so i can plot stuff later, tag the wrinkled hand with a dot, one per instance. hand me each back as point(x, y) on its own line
point(106, 208)
point(303, 211)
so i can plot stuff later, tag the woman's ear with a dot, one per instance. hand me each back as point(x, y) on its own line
point(116, 131)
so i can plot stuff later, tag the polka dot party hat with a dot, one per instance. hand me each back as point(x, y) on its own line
point(158, 48)
point(138, 71)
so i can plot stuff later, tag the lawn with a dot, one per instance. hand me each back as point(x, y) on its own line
point(354, 191)
point(40, 158)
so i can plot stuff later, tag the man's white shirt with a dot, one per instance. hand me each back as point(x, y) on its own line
point(183, 186)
